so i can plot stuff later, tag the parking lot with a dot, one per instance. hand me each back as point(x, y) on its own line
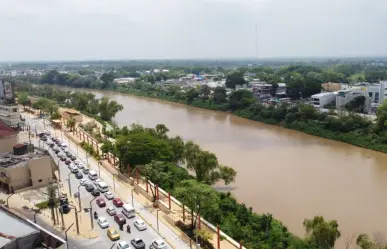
point(67, 165)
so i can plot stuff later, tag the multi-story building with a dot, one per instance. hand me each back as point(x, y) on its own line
point(345, 96)
point(323, 99)
point(24, 169)
point(8, 138)
point(9, 111)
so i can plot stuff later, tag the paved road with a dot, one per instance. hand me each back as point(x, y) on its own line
point(37, 125)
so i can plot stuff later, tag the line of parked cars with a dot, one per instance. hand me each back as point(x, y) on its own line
point(95, 186)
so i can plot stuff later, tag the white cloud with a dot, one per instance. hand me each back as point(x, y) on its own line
point(125, 29)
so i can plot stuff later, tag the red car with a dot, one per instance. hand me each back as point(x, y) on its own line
point(117, 202)
point(101, 202)
point(120, 219)
point(67, 161)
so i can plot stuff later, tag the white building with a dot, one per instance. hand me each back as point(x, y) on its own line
point(322, 99)
point(9, 111)
point(377, 92)
point(124, 80)
point(345, 96)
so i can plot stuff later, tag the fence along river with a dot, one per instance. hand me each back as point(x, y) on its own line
point(287, 173)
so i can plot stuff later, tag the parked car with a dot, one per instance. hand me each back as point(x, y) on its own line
point(49, 142)
point(158, 244)
point(43, 138)
point(63, 158)
point(52, 145)
point(102, 222)
point(86, 171)
point(123, 245)
point(73, 157)
point(65, 209)
point(95, 192)
point(65, 149)
point(58, 142)
point(140, 224)
point(120, 219)
point(76, 162)
point(68, 161)
point(74, 169)
point(117, 202)
point(56, 149)
point(113, 234)
point(111, 211)
point(101, 202)
point(89, 187)
point(109, 195)
point(79, 175)
point(83, 181)
point(138, 243)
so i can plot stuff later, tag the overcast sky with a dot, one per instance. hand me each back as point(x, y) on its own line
point(158, 29)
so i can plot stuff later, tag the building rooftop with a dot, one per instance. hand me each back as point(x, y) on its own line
point(8, 159)
point(15, 227)
point(6, 131)
point(322, 94)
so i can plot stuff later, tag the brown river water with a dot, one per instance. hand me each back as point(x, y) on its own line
point(287, 173)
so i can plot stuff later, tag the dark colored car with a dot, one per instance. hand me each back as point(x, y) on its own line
point(86, 171)
point(58, 142)
point(73, 158)
point(95, 192)
point(68, 154)
point(138, 243)
point(52, 145)
point(89, 187)
point(65, 209)
point(43, 138)
point(63, 158)
point(117, 202)
point(120, 219)
point(68, 161)
point(78, 175)
point(101, 202)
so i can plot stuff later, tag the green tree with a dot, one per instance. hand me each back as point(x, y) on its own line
point(381, 115)
point(107, 79)
point(142, 148)
point(177, 145)
point(197, 196)
point(71, 124)
point(205, 92)
point(240, 99)
point(23, 99)
point(108, 109)
point(191, 95)
point(365, 242)
point(356, 105)
point(320, 233)
point(205, 165)
point(220, 95)
point(235, 78)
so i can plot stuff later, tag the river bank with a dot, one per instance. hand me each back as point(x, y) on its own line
point(285, 172)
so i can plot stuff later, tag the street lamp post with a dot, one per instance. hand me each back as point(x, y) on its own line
point(114, 183)
point(99, 169)
point(91, 214)
point(79, 197)
point(59, 170)
point(8, 200)
point(67, 245)
point(76, 217)
point(132, 198)
point(36, 212)
point(157, 212)
point(69, 180)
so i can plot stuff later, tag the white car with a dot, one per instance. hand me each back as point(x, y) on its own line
point(158, 244)
point(140, 224)
point(111, 211)
point(65, 150)
point(109, 195)
point(49, 142)
point(83, 181)
point(80, 165)
point(102, 222)
point(74, 169)
point(123, 245)
point(76, 162)
point(96, 181)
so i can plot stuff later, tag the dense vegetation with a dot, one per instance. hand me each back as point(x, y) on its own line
point(102, 109)
point(158, 157)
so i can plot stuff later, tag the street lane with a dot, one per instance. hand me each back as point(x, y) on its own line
point(147, 235)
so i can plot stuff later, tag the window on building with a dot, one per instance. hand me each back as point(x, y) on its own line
point(370, 94)
point(376, 96)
